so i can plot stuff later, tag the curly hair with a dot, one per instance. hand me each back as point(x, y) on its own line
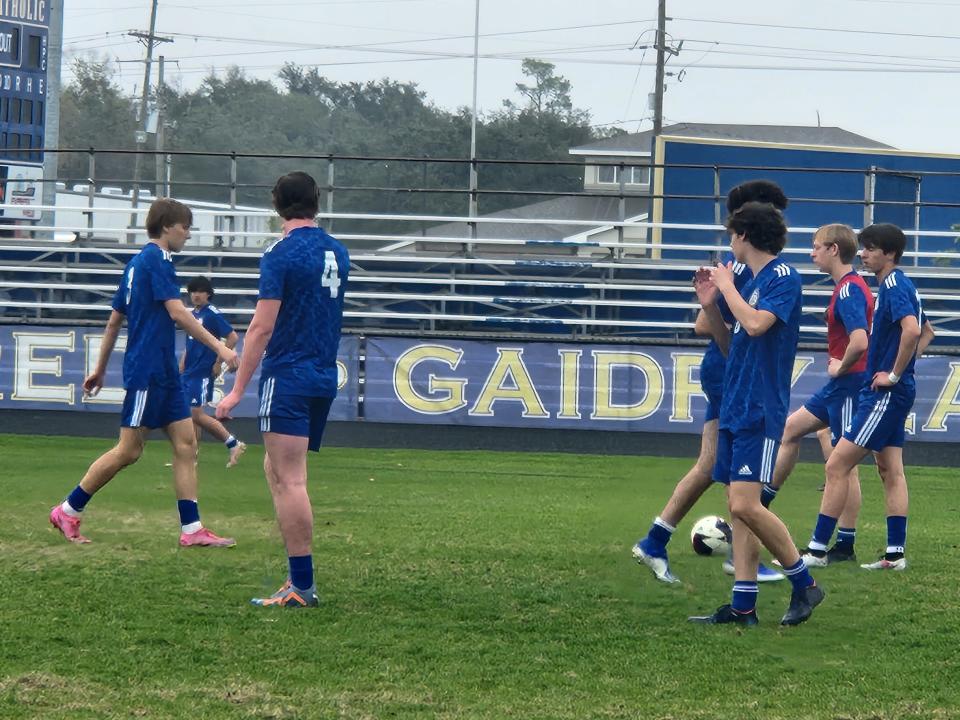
point(761, 225)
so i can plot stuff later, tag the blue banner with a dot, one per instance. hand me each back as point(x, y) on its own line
point(590, 387)
point(42, 368)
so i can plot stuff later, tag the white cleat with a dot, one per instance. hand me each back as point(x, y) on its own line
point(812, 561)
point(235, 452)
point(764, 574)
point(884, 564)
point(659, 565)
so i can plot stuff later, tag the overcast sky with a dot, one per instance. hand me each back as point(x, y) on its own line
point(887, 69)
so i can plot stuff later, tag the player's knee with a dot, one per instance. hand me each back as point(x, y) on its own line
point(742, 508)
point(185, 447)
point(128, 454)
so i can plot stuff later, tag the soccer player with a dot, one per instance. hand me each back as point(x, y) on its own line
point(149, 298)
point(200, 367)
point(762, 348)
point(849, 316)
point(887, 397)
point(652, 550)
point(297, 320)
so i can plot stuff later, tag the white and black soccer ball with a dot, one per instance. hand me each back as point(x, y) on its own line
point(711, 535)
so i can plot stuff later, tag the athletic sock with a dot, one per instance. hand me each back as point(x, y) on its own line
point(822, 532)
point(301, 571)
point(767, 495)
point(76, 501)
point(189, 515)
point(896, 535)
point(744, 596)
point(798, 576)
point(659, 535)
point(846, 537)
point(230, 442)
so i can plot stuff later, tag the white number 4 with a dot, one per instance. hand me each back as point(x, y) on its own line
point(331, 274)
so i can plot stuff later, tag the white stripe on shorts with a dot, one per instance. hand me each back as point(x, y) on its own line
point(876, 415)
point(766, 467)
point(139, 405)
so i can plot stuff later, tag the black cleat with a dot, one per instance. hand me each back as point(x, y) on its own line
point(840, 554)
point(726, 614)
point(802, 603)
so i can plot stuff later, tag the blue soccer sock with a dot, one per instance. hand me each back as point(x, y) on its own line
point(767, 495)
point(76, 501)
point(230, 442)
point(823, 532)
point(846, 537)
point(798, 575)
point(301, 571)
point(896, 534)
point(659, 535)
point(744, 596)
point(189, 515)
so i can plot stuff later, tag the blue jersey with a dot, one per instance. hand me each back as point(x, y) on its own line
point(307, 271)
point(760, 369)
point(714, 363)
point(897, 299)
point(199, 358)
point(148, 281)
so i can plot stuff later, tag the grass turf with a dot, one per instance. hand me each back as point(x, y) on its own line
point(454, 585)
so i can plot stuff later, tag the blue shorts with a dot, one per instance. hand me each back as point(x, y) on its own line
point(713, 405)
point(835, 402)
point(880, 419)
point(745, 455)
point(154, 407)
point(290, 413)
point(198, 389)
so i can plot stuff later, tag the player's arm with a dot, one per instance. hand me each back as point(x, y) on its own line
point(254, 344)
point(185, 319)
point(710, 320)
point(859, 340)
point(754, 321)
point(94, 381)
point(926, 337)
point(909, 338)
point(230, 340)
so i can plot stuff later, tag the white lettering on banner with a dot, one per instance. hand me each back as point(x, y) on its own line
point(107, 395)
point(26, 365)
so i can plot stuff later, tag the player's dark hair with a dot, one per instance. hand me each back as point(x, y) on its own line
point(762, 226)
point(843, 237)
point(763, 191)
point(165, 213)
point(201, 284)
point(296, 195)
point(886, 237)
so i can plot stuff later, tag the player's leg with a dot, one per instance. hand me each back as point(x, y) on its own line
point(801, 423)
point(890, 467)
point(67, 515)
point(652, 550)
point(214, 427)
point(184, 445)
point(844, 547)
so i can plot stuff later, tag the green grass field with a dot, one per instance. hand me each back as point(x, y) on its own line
point(454, 585)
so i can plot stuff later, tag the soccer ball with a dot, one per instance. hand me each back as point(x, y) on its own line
point(711, 535)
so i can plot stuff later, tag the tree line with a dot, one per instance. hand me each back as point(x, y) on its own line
point(301, 112)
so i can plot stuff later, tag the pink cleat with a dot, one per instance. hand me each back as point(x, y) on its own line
point(69, 526)
point(205, 538)
point(235, 452)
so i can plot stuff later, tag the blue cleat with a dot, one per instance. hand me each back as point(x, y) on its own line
point(764, 574)
point(657, 562)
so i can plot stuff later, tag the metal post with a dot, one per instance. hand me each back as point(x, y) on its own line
point(330, 178)
point(91, 174)
point(916, 220)
point(232, 220)
point(621, 209)
point(473, 128)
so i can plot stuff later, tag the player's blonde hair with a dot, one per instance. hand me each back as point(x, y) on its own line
point(842, 236)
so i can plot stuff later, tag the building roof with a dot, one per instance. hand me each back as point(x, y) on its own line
point(634, 143)
point(602, 209)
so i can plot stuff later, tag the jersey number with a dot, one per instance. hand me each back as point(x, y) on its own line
point(130, 284)
point(331, 274)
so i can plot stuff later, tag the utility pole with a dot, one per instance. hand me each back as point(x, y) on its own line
point(473, 122)
point(160, 157)
point(150, 40)
point(661, 66)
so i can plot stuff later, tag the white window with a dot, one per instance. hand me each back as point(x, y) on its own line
point(633, 175)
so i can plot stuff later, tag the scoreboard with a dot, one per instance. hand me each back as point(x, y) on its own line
point(24, 30)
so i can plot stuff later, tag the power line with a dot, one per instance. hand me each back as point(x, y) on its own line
point(820, 29)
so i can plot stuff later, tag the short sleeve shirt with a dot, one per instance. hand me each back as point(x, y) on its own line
point(897, 299)
point(199, 358)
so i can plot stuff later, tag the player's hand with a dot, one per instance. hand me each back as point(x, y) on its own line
point(722, 276)
point(92, 384)
point(704, 287)
point(231, 358)
point(881, 380)
point(833, 367)
point(225, 406)
point(217, 370)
